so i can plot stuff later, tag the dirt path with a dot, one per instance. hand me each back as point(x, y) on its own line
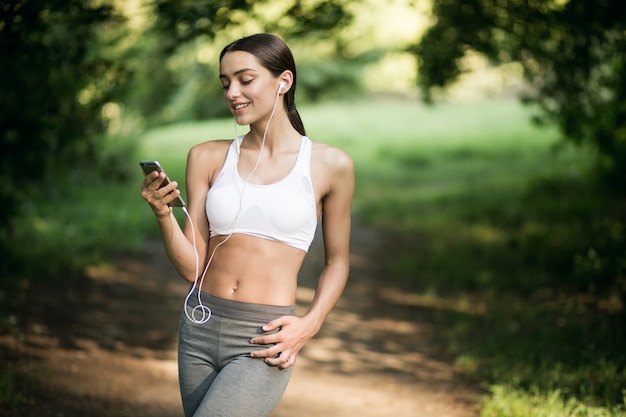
point(107, 347)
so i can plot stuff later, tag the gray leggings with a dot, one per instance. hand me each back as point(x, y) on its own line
point(218, 378)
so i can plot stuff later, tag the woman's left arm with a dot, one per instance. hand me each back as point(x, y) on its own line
point(338, 173)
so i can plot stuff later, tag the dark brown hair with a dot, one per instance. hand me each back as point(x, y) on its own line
point(274, 54)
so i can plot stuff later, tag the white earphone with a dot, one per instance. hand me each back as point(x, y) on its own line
point(280, 87)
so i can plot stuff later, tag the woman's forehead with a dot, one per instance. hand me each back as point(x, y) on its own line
point(236, 62)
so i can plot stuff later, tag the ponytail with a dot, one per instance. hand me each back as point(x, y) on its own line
point(292, 112)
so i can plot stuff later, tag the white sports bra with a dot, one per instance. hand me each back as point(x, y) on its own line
point(284, 211)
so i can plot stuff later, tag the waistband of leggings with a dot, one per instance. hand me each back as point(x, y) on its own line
point(239, 310)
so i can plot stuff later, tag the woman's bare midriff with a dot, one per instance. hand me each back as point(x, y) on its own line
point(253, 270)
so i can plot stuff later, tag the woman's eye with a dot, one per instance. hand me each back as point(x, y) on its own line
point(246, 82)
point(225, 87)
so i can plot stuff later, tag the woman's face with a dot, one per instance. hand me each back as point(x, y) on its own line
point(250, 90)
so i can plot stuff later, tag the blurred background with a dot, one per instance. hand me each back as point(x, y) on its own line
point(489, 138)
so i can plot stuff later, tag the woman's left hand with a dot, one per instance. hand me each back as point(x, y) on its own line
point(292, 335)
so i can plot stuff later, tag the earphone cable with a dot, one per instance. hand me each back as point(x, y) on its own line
point(206, 311)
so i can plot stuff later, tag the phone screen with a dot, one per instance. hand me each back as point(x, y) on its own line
point(148, 167)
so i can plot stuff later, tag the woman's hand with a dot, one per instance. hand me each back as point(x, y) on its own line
point(159, 197)
point(292, 335)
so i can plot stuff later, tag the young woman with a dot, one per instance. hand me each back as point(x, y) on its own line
point(253, 207)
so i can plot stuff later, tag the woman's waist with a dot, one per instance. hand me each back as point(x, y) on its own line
point(262, 285)
point(239, 310)
point(253, 270)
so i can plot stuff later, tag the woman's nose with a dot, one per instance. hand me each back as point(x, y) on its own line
point(233, 91)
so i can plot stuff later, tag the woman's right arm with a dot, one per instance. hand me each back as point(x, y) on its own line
point(178, 243)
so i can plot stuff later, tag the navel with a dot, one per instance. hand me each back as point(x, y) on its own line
point(236, 286)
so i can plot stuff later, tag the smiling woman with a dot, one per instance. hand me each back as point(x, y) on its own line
point(253, 206)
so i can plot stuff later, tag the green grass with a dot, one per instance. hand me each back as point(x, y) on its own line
point(507, 402)
point(523, 254)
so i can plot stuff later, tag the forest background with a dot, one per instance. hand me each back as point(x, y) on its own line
point(518, 226)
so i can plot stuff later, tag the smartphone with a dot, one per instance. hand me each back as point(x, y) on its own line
point(148, 167)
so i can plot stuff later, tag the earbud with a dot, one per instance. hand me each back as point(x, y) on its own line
point(280, 87)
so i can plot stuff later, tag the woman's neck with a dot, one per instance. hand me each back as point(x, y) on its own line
point(280, 135)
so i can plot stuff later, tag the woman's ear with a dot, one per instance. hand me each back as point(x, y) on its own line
point(286, 81)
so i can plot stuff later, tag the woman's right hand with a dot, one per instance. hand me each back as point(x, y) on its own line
point(159, 197)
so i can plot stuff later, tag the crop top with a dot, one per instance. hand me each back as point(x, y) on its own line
point(284, 211)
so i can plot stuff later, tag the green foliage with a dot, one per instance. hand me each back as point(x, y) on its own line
point(545, 342)
point(55, 78)
point(536, 236)
point(507, 402)
point(56, 74)
point(572, 54)
point(183, 21)
point(172, 85)
point(13, 386)
point(73, 224)
point(329, 79)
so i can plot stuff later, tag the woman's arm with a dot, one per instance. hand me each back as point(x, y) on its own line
point(336, 221)
point(178, 243)
point(336, 209)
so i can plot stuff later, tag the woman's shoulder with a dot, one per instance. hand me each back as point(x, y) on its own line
point(209, 151)
point(210, 146)
point(331, 158)
point(206, 158)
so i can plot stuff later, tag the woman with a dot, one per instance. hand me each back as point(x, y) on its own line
point(253, 206)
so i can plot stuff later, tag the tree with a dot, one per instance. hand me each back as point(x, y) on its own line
point(185, 20)
point(573, 55)
point(180, 27)
point(56, 72)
